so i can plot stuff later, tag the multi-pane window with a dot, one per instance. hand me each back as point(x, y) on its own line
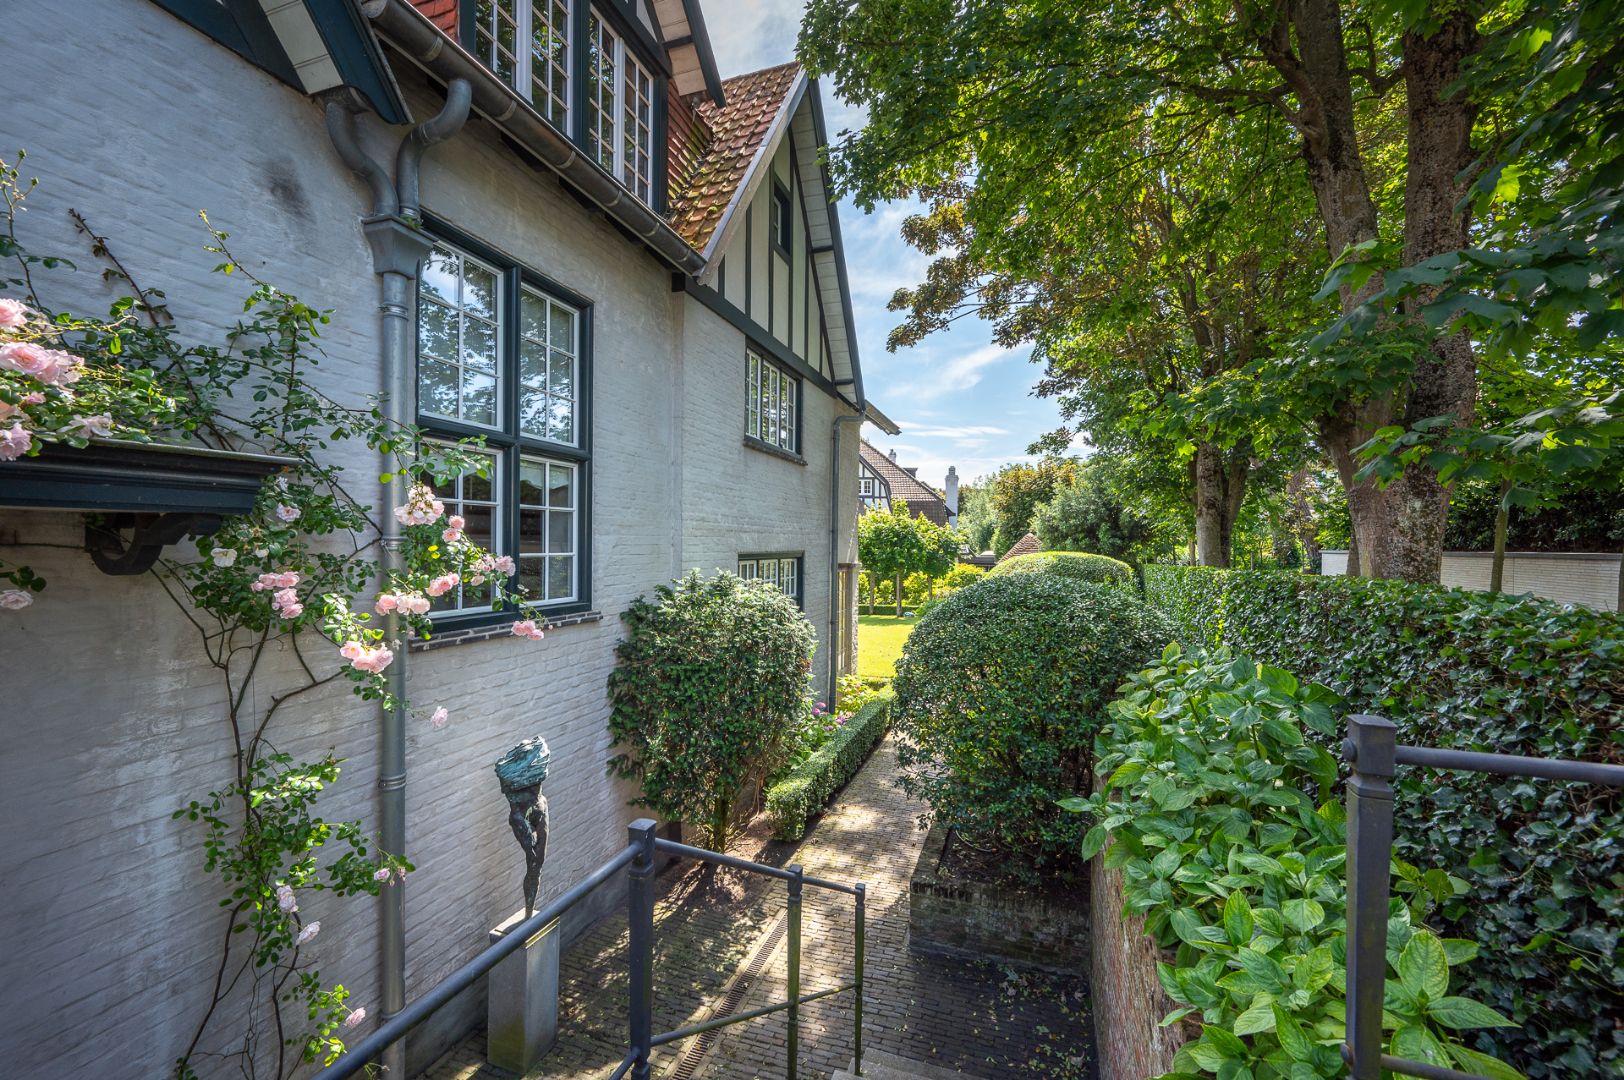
point(527, 43)
point(781, 570)
point(772, 398)
point(619, 110)
point(783, 221)
point(865, 487)
point(501, 356)
point(548, 511)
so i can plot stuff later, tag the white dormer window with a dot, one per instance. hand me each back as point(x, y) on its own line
point(619, 110)
point(866, 486)
point(527, 43)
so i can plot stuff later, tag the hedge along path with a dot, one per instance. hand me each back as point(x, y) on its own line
point(1471, 670)
point(970, 1016)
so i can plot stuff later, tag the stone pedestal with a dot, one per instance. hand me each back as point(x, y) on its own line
point(523, 999)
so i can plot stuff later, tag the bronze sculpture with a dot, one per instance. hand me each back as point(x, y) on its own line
point(521, 771)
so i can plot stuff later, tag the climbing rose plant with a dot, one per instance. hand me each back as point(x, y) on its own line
point(298, 578)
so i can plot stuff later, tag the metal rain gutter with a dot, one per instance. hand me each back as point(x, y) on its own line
point(432, 50)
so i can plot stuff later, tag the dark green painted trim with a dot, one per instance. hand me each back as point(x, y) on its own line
point(707, 57)
point(580, 16)
point(749, 250)
point(509, 441)
point(661, 154)
point(800, 569)
point(355, 54)
point(631, 29)
point(241, 26)
point(467, 23)
point(752, 331)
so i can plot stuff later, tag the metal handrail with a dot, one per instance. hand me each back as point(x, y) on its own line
point(638, 856)
point(1372, 749)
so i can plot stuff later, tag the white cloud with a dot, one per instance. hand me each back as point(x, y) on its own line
point(947, 431)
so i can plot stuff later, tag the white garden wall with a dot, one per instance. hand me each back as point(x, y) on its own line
point(1588, 578)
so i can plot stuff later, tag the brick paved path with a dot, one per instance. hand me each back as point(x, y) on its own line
point(982, 1019)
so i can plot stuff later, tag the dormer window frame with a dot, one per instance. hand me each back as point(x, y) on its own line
point(482, 39)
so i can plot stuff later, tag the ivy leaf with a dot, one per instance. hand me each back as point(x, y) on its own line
point(1464, 1014)
point(1423, 968)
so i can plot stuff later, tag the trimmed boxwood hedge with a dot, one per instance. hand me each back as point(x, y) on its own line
point(1075, 565)
point(803, 792)
point(1471, 670)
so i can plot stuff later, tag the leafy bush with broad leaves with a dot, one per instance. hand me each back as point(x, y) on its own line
point(711, 679)
point(805, 789)
point(1223, 818)
point(961, 576)
point(1075, 565)
point(999, 692)
point(1475, 671)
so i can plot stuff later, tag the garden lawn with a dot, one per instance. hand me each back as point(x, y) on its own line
point(879, 643)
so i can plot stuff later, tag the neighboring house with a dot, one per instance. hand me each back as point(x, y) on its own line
point(1026, 545)
point(677, 235)
point(881, 482)
point(1590, 578)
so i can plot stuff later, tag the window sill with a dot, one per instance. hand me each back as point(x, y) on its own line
point(775, 451)
point(497, 624)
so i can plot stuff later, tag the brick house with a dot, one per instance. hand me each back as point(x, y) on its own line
point(881, 482)
point(700, 410)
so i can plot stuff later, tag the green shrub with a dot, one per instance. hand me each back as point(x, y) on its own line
point(999, 692)
point(1223, 818)
point(1076, 565)
point(1470, 670)
point(711, 679)
point(961, 576)
point(852, 692)
point(806, 788)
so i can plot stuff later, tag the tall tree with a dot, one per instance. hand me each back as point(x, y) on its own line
point(1015, 94)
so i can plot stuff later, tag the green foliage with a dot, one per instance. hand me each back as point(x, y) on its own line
point(1017, 491)
point(710, 681)
point(1221, 814)
point(1100, 510)
point(893, 543)
point(999, 692)
point(807, 787)
point(977, 522)
point(1073, 565)
point(1472, 670)
point(962, 575)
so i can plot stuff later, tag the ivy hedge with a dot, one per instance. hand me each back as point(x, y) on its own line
point(1224, 819)
point(1468, 670)
point(1076, 565)
point(805, 789)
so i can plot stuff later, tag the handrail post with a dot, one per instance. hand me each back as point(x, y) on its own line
point(640, 921)
point(857, 1007)
point(1370, 749)
point(794, 916)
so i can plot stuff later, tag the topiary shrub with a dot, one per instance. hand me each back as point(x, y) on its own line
point(1075, 565)
point(711, 679)
point(999, 692)
point(1472, 671)
point(804, 790)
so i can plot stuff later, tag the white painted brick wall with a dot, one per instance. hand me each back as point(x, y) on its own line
point(1587, 578)
point(110, 718)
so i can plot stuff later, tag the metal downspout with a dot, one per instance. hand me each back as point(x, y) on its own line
point(834, 549)
point(398, 247)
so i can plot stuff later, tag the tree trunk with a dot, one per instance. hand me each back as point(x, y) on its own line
point(1220, 487)
point(899, 594)
point(1352, 569)
point(1502, 521)
point(1307, 527)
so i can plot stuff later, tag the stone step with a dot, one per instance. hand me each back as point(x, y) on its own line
point(878, 1065)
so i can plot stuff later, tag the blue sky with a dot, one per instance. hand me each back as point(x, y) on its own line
point(959, 399)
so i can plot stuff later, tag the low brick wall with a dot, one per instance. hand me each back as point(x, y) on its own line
point(1128, 999)
point(994, 920)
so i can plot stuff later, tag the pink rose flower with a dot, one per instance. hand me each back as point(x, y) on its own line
point(373, 661)
point(421, 507)
point(14, 443)
point(8, 410)
point(50, 366)
point(13, 313)
point(15, 599)
point(527, 628)
point(443, 584)
point(287, 580)
point(224, 557)
point(351, 650)
point(437, 721)
point(286, 602)
point(504, 564)
point(386, 603)
point(288, 513)
point(355, 1018)
point(310, 931)
point(87, 426)
point(285, 898)
point(413, 604)
point(451, 536)
point(381, 874)
point(457, 523)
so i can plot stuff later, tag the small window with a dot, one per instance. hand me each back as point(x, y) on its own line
point(781, 570)
point(783, 221)
point(772, 401)
point(866, 487)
